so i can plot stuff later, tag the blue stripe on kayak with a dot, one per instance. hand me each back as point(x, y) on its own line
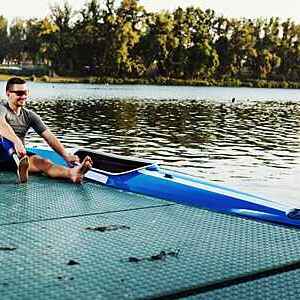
point(191, 178)
point(219, 189)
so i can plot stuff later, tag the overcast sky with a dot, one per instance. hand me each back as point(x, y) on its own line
point(229, 8)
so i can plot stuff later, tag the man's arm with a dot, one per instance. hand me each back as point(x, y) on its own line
point(57, 146)
point(7, 132)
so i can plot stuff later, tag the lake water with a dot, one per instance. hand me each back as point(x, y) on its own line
point(251, 143)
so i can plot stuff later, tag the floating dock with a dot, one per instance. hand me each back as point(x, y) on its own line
point(65, 241)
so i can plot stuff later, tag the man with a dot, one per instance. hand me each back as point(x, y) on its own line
point(15, 120)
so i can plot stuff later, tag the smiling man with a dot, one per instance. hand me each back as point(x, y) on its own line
point(15, 121)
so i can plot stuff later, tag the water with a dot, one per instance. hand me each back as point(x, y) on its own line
point(252, 144)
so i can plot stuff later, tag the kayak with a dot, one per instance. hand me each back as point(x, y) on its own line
point(148, 178)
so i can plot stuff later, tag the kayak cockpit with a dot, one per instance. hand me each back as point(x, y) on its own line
point(113, 164)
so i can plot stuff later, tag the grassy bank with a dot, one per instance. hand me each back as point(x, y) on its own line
point(4, 77)
point(228, 82)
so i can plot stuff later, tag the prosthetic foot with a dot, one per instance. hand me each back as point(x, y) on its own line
point(22, 170)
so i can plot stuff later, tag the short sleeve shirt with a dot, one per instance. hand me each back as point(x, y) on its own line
point(22, 122)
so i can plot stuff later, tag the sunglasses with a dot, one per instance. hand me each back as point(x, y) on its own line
point(20, 93)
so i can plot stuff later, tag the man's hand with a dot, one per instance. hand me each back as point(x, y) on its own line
point(71, 158)
point(20, 149)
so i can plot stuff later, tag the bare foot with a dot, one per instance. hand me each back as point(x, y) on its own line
point(77, 173)
point(22, 170)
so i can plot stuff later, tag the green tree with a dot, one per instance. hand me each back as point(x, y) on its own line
point(47, 37)
point(202, 55)
point(263, 60)
point(289, 51)
point(222, 29)
point(95, 35)
point(181, 44)
point(17, 40)
point(90, 41)
point(128, 30)
point(3, 39)
point(62, 38)
point(34, 42)
point(158, 42)
point(178, 58)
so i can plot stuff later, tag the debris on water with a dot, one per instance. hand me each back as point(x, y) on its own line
point(160, 256)
point(233, 100)
point(104, 228)
point(72, 262)
point(64, 278)
point(7, 248)
point(134, 259)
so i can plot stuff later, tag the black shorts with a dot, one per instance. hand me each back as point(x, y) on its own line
point(8, 165)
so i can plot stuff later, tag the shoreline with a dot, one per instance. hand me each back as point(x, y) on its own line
point(160, 81)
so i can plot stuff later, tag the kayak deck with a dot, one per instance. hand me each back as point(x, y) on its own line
point(64, 241)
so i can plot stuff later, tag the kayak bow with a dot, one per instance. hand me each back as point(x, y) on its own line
point(148, 178)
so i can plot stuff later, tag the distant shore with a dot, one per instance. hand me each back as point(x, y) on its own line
point(160, 81)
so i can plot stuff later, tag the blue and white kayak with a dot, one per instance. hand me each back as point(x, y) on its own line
point(148, 178)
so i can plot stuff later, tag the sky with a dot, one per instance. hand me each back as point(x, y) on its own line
point(229, 8)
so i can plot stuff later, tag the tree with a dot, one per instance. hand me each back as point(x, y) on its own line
point(263, 60)
point(128, 30)
point(222, 28)
point(33, 41)
point(62, 38)
point(289, 51)
point(3, 39)
point(90, 42)
point(17, 38)
point(202, 55)
point(158, 42)
point(178, 59)
point(47, 37)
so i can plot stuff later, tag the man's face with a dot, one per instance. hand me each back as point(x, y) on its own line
point(17, 94)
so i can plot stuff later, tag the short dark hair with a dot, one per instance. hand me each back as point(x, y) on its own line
point(14, 80)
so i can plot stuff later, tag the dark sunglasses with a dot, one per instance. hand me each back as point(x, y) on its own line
point(20, 93)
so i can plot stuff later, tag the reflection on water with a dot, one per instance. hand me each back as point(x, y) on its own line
point(178, 132)
point(238, 143)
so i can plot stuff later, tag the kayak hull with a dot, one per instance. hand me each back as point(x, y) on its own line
point(181, 188)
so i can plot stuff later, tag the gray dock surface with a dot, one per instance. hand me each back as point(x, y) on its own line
point(64, 241)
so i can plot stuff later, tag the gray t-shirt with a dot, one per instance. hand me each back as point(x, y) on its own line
point(21, 123)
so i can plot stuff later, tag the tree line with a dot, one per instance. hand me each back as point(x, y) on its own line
point(103, 39)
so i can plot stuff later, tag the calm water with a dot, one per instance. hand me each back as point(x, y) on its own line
point(251, 144)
